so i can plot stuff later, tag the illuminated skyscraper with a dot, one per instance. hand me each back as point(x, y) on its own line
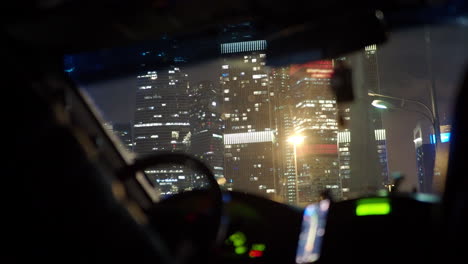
point(368, 149)
point(162, 122)
point(431, 168)
point(284, 150)
point(372, 84)
point(207, 126)
point(425, 160)
point(161, 117)
point(315, 114)
point(249, 135)
point(344, 157)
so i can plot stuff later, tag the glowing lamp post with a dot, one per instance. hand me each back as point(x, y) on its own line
point(433, 117)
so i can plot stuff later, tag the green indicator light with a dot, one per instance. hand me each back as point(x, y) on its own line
point(238, 239)
point(373, 206)
point(240, 250)
point(259, 247)
point(238, 242)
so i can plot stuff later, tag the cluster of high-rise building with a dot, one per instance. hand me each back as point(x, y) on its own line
point(242, 126)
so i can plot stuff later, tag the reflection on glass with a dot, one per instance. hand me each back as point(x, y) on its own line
point(313, 230)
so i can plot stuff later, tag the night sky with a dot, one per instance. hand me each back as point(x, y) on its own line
point(403, 73)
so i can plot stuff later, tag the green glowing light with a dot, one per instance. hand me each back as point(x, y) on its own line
point(238, 239)
point(238, 243)
point(240, 250)
point(373, 206)
point(259, 247)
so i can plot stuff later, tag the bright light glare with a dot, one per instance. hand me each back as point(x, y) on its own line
point(296, 140)
point(221, 180)
point(379, 104)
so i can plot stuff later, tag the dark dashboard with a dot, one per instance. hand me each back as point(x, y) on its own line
point(258, 230)
point(252, 229)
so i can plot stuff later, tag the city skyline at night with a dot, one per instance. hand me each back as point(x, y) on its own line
point(241, 117)
point(388, 141)
point(241, 120)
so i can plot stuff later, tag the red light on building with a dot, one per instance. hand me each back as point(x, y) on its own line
point(320, 73)
point(324, 67)
point(317, 149)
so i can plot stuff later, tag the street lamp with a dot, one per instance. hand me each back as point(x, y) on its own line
point(385, 105)
point(379, 104)
point(296, 140)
